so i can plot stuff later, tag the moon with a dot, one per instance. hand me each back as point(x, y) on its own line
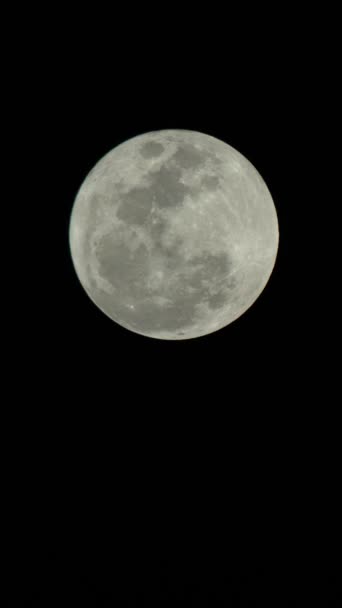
point(173, 234)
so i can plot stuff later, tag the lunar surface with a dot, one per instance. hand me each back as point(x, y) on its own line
point(173, 234)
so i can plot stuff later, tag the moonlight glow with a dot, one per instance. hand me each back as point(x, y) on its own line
point(173, 234)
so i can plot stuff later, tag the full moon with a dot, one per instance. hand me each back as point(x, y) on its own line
point(173, 234)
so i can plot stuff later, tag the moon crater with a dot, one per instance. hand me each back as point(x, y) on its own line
point(151, 149)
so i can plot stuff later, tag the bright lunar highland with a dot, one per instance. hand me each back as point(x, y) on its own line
point(173, 234)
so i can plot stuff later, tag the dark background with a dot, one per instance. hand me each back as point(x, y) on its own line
point(152, 473)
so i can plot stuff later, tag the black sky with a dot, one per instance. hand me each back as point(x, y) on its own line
point(153, 473)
